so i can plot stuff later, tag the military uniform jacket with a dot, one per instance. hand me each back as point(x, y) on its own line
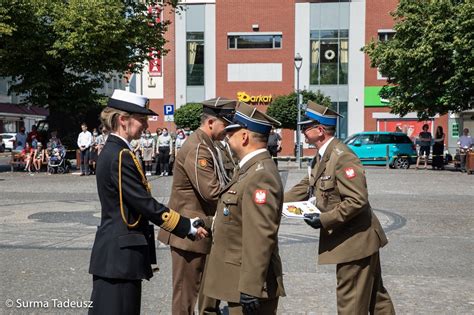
point(228, 162)
point(244, 256)
point(350, 229)
point(119, 251)
point(195, 189)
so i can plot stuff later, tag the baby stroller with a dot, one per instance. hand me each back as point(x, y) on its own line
point(57, 161)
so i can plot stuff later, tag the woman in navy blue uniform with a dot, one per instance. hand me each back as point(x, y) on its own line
point(124, 246)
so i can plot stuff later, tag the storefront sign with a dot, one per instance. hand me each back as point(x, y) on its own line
point(154, 65)
point(260, 99)
point(455, 130)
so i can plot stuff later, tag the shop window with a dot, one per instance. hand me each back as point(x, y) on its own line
point(195, 58)
point(264, 41)
point(329, 57)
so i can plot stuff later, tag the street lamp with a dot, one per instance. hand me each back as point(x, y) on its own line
point(298, 62)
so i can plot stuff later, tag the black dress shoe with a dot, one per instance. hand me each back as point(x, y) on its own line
point(83, 174)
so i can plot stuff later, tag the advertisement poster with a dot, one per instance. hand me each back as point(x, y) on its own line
point(411, 127)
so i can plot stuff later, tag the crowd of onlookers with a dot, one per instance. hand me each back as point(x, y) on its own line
point(435, 146)
point(29, 148)
point(158, 149)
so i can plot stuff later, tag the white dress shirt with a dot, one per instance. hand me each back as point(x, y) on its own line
point(124, 140)
point(324, 147)
point(250, 155)
point(84, 139)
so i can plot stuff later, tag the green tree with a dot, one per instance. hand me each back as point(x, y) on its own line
point(58, 53)
point(284, 108)
point(188, 116)
point(429, 62)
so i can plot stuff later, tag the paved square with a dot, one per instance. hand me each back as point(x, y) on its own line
point(48, 225)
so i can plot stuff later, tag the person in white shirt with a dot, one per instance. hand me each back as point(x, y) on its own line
point(465, 144)
point(20, 139)
point(84, 141)
point(164, 145)
point(180, 138)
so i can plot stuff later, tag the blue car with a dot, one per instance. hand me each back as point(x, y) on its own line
point(371, 148)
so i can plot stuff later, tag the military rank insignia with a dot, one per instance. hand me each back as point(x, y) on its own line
point(202, 163)
point(350, 173)
point(260, 196)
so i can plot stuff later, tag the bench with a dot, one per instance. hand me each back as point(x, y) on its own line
point(17, 161)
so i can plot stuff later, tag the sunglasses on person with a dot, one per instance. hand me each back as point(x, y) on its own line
point(309, 127)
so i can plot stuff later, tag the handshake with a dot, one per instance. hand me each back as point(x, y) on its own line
point(197, 230)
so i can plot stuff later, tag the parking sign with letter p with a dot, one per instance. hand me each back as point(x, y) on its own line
point(169, 109)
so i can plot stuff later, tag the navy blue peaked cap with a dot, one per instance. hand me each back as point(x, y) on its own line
point(249, 117)
point(319, 114)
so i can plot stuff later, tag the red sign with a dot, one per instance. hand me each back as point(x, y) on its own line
point(410, 127)
point(154, 65)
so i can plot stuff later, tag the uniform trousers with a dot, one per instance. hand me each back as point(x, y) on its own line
point(188, 268)
point(267, 307)
point(115, 296)
point(207, 305)
point(360, 288)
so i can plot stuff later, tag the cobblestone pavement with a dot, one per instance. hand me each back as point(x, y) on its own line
point(48, 225)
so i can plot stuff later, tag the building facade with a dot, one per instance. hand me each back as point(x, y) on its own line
point(245, 50)
point(377, 116)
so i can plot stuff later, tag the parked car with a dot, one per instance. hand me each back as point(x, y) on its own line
point(8, 139)
point(371, 148)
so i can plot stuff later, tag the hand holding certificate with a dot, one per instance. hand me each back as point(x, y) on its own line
point(299, 209)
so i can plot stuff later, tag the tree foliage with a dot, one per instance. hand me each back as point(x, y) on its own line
point(284, 107)
point(188, 116)
point(58, 53)
point(429, 62)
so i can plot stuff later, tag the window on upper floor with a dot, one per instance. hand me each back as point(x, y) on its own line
point(257, 41)
point(384, 35)
point(195, 58)
point(329, 57)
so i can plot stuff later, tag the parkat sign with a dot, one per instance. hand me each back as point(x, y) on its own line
point(260, 99)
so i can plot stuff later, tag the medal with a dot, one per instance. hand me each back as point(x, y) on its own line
point(226, 211)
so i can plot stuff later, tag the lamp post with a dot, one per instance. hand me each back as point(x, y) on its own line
point(298, 62)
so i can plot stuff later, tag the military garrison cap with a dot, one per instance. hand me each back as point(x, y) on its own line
point(220, 107)
point(249, 117)
point(130, 102)
point(319, 114)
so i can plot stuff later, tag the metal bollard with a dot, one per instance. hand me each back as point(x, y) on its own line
point(387, 157)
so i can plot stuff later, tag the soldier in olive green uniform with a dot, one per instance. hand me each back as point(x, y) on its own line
point(229, 161)
point(244, 266)
point(197, 182)
point(350, 234)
